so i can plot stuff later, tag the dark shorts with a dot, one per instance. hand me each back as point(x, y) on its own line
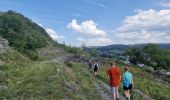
point(128, 88)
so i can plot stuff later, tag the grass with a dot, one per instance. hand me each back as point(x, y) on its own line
point(82, 81)
point(44, 79)
point(144, 82)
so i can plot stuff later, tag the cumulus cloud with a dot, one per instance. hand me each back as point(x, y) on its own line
point(165, 4)
point(53, 34)
point(95, 41)
point(88, 27)
point(148, 26)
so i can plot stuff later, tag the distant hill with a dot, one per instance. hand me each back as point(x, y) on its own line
point(23, 34)
point(123, 46)
point(115, 50)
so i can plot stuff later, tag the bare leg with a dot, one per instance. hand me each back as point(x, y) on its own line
point(95, 73)
point(117, 92)
point(126, 93)
point(129, 94)
point(114, 96)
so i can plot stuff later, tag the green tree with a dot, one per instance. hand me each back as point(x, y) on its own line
point(135, 55)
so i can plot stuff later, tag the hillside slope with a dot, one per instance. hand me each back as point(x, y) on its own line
point(49, 78)
point(22, 33)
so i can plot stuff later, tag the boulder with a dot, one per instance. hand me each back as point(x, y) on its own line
point(3, 88)
point(3, 45)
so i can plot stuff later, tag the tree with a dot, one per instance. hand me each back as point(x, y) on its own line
point(151, 55)
point(135, 55)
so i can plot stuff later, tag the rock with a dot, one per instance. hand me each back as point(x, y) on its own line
point(160, 72)
point(3, 88)
point(149, 69)
point(3, 45)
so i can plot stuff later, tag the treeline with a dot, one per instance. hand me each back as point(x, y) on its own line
point(72, 49)
point(23, 34)
point(151, 55)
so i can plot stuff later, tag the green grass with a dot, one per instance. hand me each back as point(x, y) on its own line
point(44, 79)
point(144, 82)
point(81, 79)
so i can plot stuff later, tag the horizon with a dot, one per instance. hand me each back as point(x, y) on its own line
point(78, 22)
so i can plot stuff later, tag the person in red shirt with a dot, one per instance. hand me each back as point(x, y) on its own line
point(114, 78)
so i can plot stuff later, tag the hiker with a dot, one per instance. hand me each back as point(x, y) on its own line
point(127, 82)
point(90, 66)
point(96, 67)
point(114, 78)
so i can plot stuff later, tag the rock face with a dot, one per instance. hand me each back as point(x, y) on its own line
point(3, 45)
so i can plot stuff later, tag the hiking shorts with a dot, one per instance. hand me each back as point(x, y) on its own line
point(128, 88)
point(114, 89)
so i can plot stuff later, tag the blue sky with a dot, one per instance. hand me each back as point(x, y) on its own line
point(98, 22)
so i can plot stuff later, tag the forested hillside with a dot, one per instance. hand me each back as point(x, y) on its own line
point(23, 34)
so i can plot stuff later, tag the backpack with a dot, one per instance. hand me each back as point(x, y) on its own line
point(96, 66)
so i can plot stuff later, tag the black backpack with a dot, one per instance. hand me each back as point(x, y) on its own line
point(95, 66)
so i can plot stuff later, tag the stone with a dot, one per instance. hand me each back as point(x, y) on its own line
point(3, 45)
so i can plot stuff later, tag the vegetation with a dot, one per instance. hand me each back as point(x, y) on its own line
point(23, 34)
point(151, 55)
point(72, 49)
point(143, 81)
point(44, 79)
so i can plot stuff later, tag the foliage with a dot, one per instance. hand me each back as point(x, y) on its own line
point(23, 34)
point(94, 53)
point(135, 55)
point(72, 49)
point(151, 55)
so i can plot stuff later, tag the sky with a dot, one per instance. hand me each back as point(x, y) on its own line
point(98, 22)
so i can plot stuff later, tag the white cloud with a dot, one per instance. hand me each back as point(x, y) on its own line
point(53, 34)
point(40, 24)
point(95, 41)
point(165, 4)
point(88, 27)
point(144, 27)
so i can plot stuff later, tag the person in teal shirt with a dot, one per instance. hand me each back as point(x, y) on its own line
point(127, 82)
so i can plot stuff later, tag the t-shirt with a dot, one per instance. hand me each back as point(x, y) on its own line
point(127, 79)
point(114, 75)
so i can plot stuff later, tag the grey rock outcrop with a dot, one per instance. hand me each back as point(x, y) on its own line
point(3, 45)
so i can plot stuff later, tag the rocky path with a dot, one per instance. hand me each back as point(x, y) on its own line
point(104, 90)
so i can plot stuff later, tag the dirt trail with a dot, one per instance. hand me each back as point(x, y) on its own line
point(104, 90)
